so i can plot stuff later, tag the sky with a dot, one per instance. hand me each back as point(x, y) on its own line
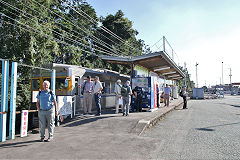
point(206, 32)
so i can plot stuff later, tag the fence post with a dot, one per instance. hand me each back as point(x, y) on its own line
point(12, 118)
point(3, 117)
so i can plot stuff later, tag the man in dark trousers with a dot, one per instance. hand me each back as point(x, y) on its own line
point(138, 93)
point(184, 94)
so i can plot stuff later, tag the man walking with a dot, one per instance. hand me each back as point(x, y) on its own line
point(97, 94)
point(118, 87)
point(167, 94)
point(126, 93)
point(87, 88)
point(45, 101)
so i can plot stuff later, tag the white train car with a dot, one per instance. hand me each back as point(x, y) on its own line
point(69, 77)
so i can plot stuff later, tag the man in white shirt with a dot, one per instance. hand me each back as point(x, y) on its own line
point(118, 87)
point(167, 94)
point(97, 87)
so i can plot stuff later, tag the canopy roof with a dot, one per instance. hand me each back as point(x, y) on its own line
point(158, 62)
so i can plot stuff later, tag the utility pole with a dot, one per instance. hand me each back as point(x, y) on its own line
point(222, 74)
point(185, 70)
point(230, 75)
point(196, 75)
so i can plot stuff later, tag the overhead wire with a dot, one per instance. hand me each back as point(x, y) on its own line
point(18, 10)
point(45, 35)
point(102, 27)
point(74, 24)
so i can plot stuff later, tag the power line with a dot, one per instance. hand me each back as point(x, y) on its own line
point(18, 10)
point(102, 27)
point(87, 32)
point(45, 35)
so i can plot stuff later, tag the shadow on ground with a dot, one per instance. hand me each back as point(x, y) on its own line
point(18, 144)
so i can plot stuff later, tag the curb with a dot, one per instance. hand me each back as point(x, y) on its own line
point(143, 125)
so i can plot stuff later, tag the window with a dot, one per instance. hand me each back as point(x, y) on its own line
point(112, 87)
point(35, 84)
point(61, 83)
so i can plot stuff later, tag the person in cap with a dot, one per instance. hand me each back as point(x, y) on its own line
point(117, 90)
point(45, 102)
point(126, 93)
point(87, 88)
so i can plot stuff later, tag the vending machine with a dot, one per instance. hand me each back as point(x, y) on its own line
point(148, 84)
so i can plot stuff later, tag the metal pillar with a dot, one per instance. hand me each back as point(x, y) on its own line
point(53, 80)
point(12, 118)
point(4, 99)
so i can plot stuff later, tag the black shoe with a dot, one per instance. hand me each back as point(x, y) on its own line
point(123, 114)
point(42, 140)
point(98, 114)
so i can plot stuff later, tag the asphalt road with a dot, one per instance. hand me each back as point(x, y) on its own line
point(208, 129)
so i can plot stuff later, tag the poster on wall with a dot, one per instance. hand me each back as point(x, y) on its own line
point(141, 82)
point(64, 105)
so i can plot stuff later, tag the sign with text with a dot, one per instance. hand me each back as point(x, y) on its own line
point(24, 123)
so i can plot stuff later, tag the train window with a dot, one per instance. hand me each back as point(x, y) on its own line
point(35, 84)
point(112, 87)
point(106, 89)
point(60, 83)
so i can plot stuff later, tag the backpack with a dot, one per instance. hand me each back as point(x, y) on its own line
point(181, 93)
point(82, 91)
point(124, 91)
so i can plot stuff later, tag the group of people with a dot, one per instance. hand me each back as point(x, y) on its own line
point(46, 99)
point(91, 90)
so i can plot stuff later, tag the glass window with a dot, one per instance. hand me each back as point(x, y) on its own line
point(107, 88)
point(61, 83)
point(35, 84)
point(112, 87)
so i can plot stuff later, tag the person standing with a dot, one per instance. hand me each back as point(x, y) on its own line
point(97, 88)
point(126, 93)
point(167, 94)
point(158, 99)
point(45, 101)
point(184, 95)
point(138, 93)
point(87, 88)
point(118, 87)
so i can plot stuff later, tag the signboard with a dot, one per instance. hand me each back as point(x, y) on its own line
point(141, 71)
point(34, 96)
point(64, 105)
point(24, 123)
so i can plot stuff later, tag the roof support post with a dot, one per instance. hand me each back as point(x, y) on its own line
point(12, 118)
point(4, 99)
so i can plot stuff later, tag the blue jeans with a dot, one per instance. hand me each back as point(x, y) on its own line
point(97, 98)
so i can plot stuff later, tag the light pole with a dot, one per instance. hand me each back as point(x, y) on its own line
point(196, 75)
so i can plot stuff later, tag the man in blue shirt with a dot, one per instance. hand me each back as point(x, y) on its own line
point(45, 101)
point(167, 94)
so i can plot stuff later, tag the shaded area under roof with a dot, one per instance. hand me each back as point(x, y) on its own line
point(158, 62)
